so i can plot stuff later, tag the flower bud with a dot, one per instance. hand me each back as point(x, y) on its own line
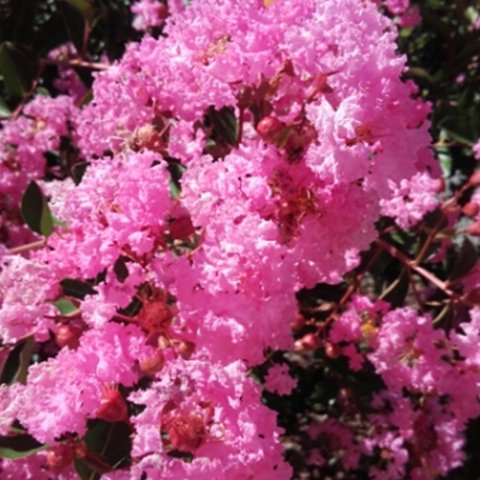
point(59, 457)
point(439, 185)
point(186, 431)
point(471, 209)
point(473, 229)
point(332, 350)
point(269, 128)
point(162, 11)
point(185, 348)
point(307, 342)
point(152, 365)
point(113, 407)
point(181, 228)
point(68, 336)
point(474, 180)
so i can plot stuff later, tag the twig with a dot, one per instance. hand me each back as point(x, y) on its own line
point(412, 264)
point(75, 63)
point(28, 246)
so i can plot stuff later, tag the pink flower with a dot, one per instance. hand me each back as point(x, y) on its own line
point(279, 381)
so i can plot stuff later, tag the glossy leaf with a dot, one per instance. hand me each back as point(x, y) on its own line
point(110, 442)
point(19, 446)
point(16, 366)
point(120, 268)
point(65, 306)
point(466, 259)
point(4, 110)
point(78, 171)
point(35, 210)
point(396, 292)
point(12, 70)
point(76, 288)
point(84, 7)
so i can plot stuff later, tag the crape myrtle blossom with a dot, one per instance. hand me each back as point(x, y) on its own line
point(243, 155)
point(24, 141)
point(431, 385)
point(148, 14)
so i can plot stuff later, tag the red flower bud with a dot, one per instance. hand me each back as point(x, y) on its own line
point(156, 315)
point(181, 228)
point(186, 431)
point(474, 180)
point(471, 209)
point(162, 11)
point(113, 407)
point(307, 342)
point(439, 185)
point(185, 348)
point(68, 336)
point(269, 128)
point(153, 364)
point(332, 350)
point(59, 457)
point(473, 229)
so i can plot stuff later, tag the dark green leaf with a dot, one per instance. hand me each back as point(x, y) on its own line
point(120, 268)
point(396, 292)
point(78, 171)
point(13, 71)
point(75, 24)
point(24, 361)
point(464, 261)
point(35, 210)
point(458, 129)
point(475, 119)
point(16, 366)
point(4, 110)
point(76, 288)
point(223, 124)
point(445, 317)
point(84, 471)
point(110, 441)
point(19, 446)
point(84, 7)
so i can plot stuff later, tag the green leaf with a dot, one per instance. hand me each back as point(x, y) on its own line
point(445, 317)
point(84, 7)
point(24, 361)
point(84, 471)
point(4, 110)
point(76, 288)
point(458, 130)
point(396, 292)
point(474, 112)
point(75, 24)
point(224, 124)
point(65, 306)
point(120, 268)
point(12, 70)
point(19, 446)
point(16, 366)
point(110, 442)
point(35, 210)
point(465, 260)
point(78, 171)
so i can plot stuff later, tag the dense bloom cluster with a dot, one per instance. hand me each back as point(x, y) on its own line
point(431, 388)
point(24, 141)
point(243, 155)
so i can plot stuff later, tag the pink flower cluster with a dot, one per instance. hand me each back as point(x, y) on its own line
point(431, 388)
point(244, 155)
point(24, 141)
